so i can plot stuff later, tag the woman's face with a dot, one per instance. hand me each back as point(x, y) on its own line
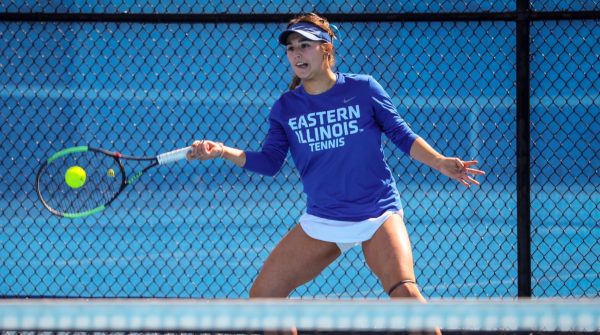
point(306, 57)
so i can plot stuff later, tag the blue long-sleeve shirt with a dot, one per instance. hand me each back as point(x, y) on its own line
point(335, 142)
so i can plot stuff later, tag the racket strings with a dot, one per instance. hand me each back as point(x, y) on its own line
point(103, 180)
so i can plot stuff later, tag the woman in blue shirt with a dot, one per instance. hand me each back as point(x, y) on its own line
point(332, 123)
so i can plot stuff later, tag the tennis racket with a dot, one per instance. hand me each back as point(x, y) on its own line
point(105, 178)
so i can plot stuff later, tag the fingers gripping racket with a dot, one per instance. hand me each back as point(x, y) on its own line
point(80, 181)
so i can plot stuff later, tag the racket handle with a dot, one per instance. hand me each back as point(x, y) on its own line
point(173, 156)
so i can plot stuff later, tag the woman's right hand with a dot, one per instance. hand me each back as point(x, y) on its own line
point(205, 149)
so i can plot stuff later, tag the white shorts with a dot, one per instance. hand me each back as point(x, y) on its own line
point(346, 234)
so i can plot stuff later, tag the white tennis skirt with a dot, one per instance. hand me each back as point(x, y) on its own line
point(346, 234)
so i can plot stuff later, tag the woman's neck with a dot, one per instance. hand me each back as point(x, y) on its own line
point(321, 84)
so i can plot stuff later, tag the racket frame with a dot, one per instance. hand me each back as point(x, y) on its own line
point(124, 182)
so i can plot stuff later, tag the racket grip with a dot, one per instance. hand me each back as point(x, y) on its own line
point(173, 156)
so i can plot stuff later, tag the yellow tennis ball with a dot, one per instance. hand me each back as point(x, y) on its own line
point(75, 176)
point(110, 173)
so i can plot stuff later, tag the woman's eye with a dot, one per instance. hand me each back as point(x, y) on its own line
point(302, 46)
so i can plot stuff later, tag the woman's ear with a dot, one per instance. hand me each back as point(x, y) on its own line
point(328, 50)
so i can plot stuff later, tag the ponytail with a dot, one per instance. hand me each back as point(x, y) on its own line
point(295, 82)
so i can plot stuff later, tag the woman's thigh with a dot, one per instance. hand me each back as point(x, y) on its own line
point(297, 259)
point(388, 253)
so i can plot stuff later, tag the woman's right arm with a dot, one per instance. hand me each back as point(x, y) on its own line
point(267, 161)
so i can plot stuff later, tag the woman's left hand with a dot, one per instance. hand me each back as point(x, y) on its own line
point(460, 170)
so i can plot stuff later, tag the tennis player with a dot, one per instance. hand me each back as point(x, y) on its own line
point(332, 124)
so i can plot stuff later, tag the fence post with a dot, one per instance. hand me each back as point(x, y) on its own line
point(523, 150)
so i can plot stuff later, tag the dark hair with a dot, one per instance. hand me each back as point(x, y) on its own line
point(320, 22)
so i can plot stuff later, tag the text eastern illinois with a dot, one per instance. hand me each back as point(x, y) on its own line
point(326, 129)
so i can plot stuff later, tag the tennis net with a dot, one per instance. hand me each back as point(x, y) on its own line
point(32, 316)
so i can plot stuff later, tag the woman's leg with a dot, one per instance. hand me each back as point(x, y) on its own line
point(388, 253)
point(297, 259)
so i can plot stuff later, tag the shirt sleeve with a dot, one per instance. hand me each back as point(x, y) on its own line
point(386, 115)
point(269, 160)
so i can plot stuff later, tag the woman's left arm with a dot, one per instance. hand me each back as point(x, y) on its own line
point(452, 167)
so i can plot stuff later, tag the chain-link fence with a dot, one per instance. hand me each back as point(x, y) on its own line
point(148, 77)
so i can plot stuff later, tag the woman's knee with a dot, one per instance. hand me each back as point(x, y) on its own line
point(261, 289)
